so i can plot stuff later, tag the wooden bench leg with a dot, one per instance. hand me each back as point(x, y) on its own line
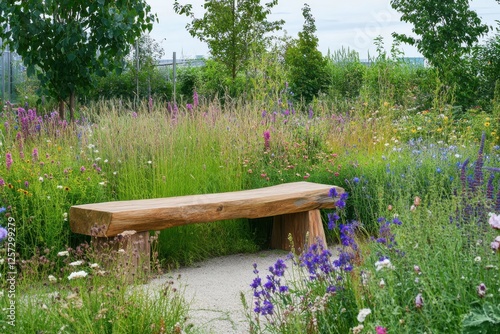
point(127, 255)
point(299, 225)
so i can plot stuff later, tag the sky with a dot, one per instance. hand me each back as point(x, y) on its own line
point(352, 24)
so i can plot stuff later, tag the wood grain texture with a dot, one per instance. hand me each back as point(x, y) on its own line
point(160, 213)
point(304, 227)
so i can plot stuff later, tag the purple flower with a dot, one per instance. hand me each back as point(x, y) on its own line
point(332, 218)
point(356, 180)
point(267, 137)
point(311, 113)
point(189, 106)
point(264, 113)
point(397, 221)
point(8, 160)
point(3, 233)
point(256, 283)
point(341, 202)
point(35, 154)
point(419, 301)
point(333, 193)
point(481, 290)
point(82, 169)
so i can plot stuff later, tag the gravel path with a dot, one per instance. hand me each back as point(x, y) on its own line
point(213, 289)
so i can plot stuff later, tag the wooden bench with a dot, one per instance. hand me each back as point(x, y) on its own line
point(293, 206)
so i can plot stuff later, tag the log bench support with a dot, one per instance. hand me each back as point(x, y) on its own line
point(293, 206)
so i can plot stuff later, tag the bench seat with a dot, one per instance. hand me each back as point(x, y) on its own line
point(293, 206)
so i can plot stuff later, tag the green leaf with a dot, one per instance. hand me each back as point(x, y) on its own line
point(484, 319)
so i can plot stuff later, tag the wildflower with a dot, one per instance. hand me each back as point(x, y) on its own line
point(3, 233)
point(416, 269)
point(40, 179)
point(63, 253)
point(417, 201)
point(82, 169)
point(380, 330)
point(341, 202)
point(356, 180)
point(419, 301)
point(333, 193)
point(494, 221)
point(52, 278)
point(35, 154)
point(495, 245)
point(94, 265)
point(59, 187)
point(77, 274)
point(381, 284)
point(358, 329)
point(413, 208)
point(389, 207)
point(8, 160)
point(477, 259)
point(481, 290)
point(385, 263)
point(363, 313)
point(267, 137)
point(76, 263)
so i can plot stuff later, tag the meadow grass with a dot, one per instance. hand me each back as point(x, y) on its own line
point(382, 154)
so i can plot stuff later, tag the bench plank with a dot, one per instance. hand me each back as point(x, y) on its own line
point(160, 213)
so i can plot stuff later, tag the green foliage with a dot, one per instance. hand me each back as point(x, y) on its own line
point(124, 86)
point(446, 30)
point(488, 69)
point(308, 72)
point(231, 28)
point(100, 302)
point(68, 41)
point(347, 73)
point(483, 319)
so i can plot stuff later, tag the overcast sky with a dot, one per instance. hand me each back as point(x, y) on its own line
point(350, 24)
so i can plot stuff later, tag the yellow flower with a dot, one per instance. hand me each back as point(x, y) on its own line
point(439, 129)
point(413, 130)
point(445, 118)
point(486, 124)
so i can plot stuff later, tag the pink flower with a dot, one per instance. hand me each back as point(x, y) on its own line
point(495, 245)
point(381, 330)
point(82, 169)
point(419, 301)
point(494, 221)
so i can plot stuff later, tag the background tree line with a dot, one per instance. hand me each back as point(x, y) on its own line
point(246, 60)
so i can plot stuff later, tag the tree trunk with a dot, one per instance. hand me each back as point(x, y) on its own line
point(72, 106)
point(61, 109)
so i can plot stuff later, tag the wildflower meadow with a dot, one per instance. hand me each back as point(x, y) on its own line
point(414, 241)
